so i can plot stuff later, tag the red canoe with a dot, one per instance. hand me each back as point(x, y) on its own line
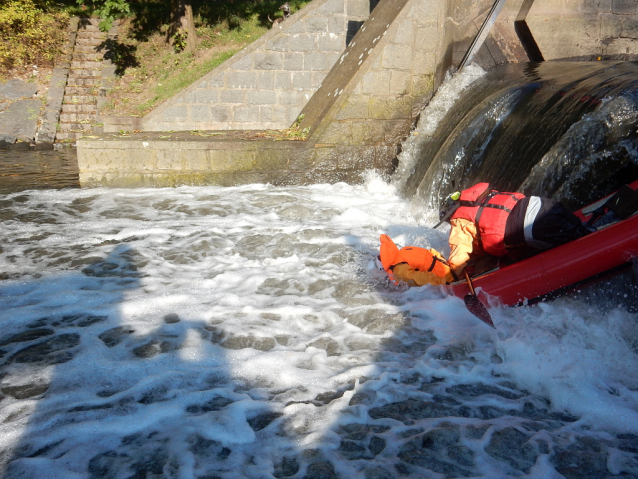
point(604, 251)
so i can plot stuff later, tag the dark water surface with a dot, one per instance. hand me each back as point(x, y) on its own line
point(30, 169)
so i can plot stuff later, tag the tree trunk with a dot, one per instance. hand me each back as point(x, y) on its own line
point(182, 23)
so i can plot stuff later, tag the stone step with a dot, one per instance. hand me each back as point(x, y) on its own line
point(65, 136)
point(94, 21)
point(75, 127)
point(81, 90)
point(80, 100)
point(84, 49)
point(79, 109)
point(77, 117)
point(91, 27)
point(89, 41)
point(82, 73)
point(77, 65)
point(89, 36)
point(88, 57)
point(93, 82)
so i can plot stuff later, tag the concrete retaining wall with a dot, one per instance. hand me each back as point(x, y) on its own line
point(389, 70)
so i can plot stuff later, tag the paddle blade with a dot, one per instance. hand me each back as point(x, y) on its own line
point(478, 309)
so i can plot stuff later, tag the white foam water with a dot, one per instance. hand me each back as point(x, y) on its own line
point(208, 332)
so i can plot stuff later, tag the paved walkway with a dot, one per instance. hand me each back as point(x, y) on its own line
point(19, 111)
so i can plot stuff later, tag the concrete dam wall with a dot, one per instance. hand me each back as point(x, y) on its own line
point(351, 101)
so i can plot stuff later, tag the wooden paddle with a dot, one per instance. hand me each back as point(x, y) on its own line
point(474, 305)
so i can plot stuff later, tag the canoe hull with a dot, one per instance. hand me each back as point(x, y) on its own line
point(560, 267)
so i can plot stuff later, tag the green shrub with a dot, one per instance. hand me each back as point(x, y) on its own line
point(29, 35)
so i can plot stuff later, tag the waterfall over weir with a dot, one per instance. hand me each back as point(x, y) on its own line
point(565, 130)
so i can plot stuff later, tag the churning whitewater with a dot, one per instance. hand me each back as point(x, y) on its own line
point(208, 332)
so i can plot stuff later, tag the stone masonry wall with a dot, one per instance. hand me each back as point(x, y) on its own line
point(398, 75)
point(585, 29)
point(266, 85)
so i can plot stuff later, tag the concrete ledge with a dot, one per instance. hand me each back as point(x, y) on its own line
point(161, 159)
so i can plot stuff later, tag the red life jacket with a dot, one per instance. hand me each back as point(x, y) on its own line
point(488, 210)
point(419, 259)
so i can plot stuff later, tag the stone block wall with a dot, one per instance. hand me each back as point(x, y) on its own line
point(266, 85)
point(223, 159)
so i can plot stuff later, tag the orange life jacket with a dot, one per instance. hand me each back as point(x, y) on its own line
point(420, 259)
point(488, 210)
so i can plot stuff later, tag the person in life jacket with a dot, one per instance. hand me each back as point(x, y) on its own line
point(487, 221)
point(413, 265)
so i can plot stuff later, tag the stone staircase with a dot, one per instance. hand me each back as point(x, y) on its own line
point(86, 83)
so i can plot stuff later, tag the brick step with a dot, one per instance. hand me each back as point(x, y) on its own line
point(79, 109)
point(93, 82)
point(88, 57)
point(77, 117)
point(82, 73)
point(80, 100)
point(81, 90)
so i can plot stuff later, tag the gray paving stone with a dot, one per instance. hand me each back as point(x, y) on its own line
point(20, 119)
point(17, 89)
point(7, 139)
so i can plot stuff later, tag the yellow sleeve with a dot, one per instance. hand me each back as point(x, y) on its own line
point(404, 272)
point(449, 277)
point(461, 241)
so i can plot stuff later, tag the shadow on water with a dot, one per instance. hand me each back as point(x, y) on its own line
point(87, 395)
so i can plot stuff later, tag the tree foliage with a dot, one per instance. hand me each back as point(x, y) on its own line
point(107, 10)
point(30, 36)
